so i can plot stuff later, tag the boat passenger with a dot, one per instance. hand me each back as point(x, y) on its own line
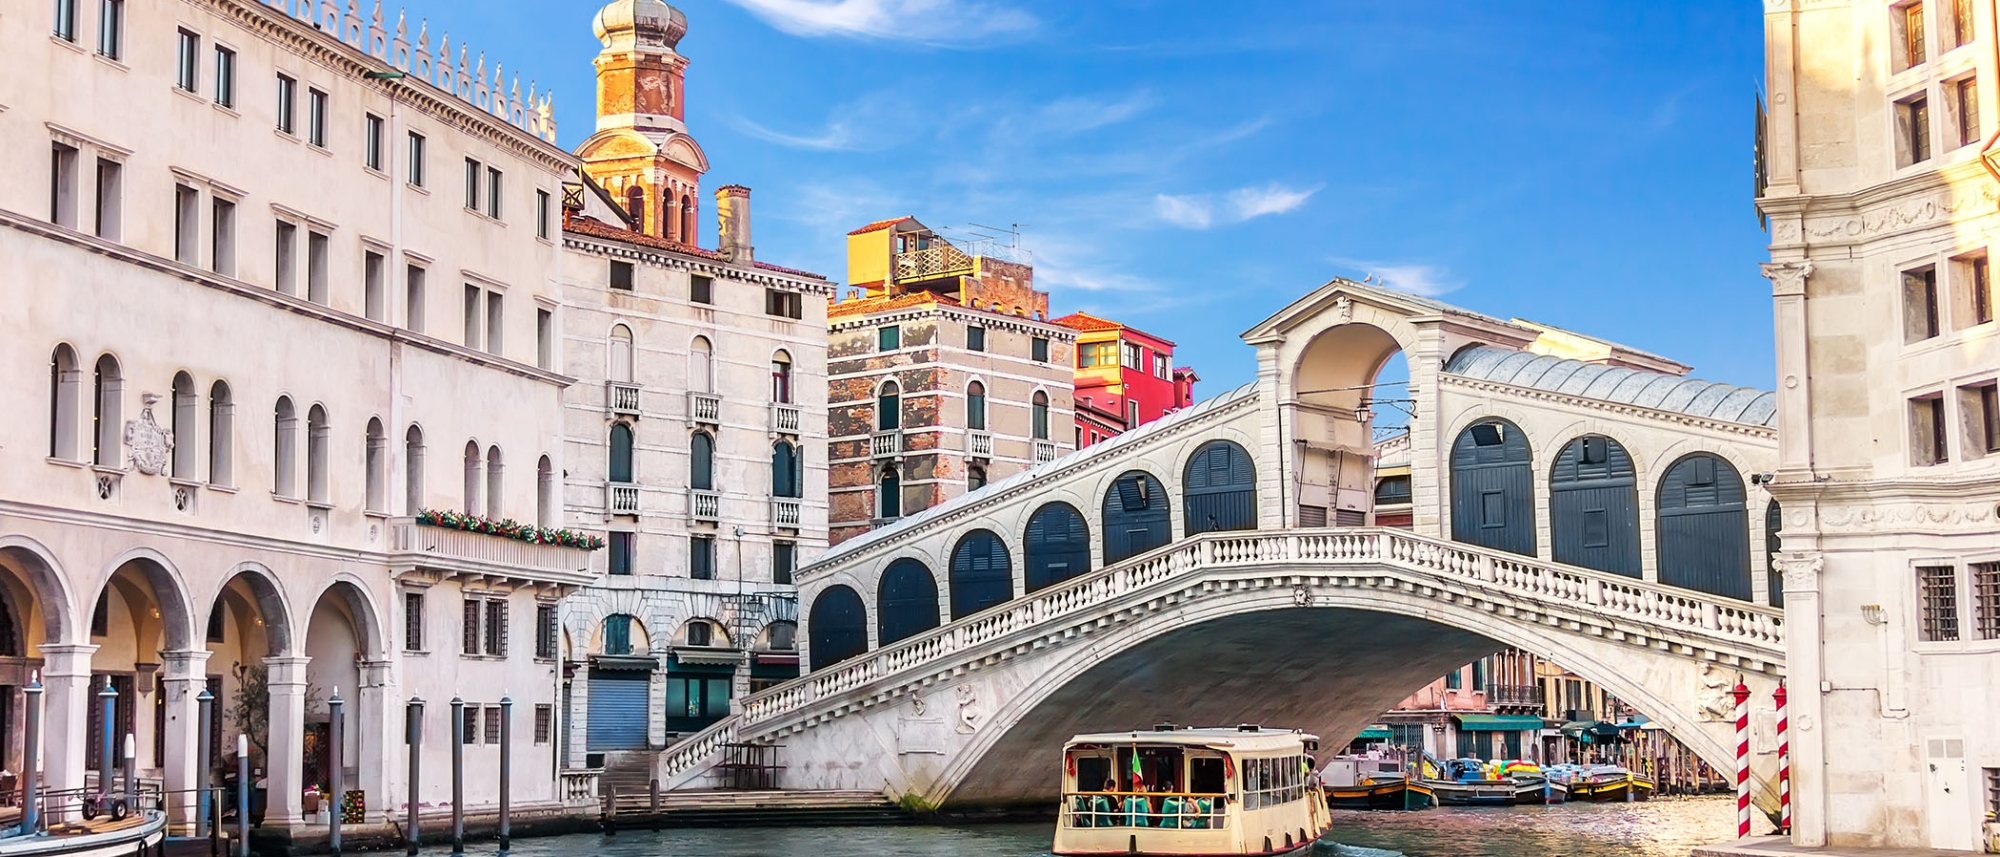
point(1137, 808)
point(1195, 812)
point(1170, 807)
point(1101, 807)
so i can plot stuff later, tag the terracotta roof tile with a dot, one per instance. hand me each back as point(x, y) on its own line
point(868, 305)
point(881, 224)
point(1087, 322)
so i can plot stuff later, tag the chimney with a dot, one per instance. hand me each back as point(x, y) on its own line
point(732, 214)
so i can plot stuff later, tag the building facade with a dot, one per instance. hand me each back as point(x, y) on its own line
point(1877, 177)
point(284, 287)
point(696, 431)
point(1125, 378)
point(944, 374)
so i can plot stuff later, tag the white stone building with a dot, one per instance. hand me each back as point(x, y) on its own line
point(276, 286)
point(1883, 220)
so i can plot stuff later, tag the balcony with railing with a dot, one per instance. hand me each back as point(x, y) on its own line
point(704, 505)
point(704, 408)
point(1515, 695)
point(454, 551)
point(786, 512)
point(886, 444)
point(979, 444)
point(1045, 451)
point(785, 418)
point(621, 498)
point(938, 260)
point(621, 398)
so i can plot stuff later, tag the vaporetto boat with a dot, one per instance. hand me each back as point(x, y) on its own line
point(1179, 791)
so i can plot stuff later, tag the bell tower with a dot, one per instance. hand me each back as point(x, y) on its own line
point(642, 154)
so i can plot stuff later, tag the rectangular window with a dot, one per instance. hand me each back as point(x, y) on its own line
point(541, 214)
point(1928, 443)
point(318, 246)
point(492, 714)
point(472, 302)
point(287, 273)
point(545, 720)
point(225, 76)
point(416, 159)
point(187, 224)
point(975, 338)
point(413, 298)
point(110, 199)
point(62, 184)
point(1920, 304)
point(1993, 791)
point(621, 275)
point(1132, 357)
point(888, 338)
point(1961, 22)
point(65, 23)
point(1937, 601)
point(222, 238)
point(784, 561)
point(1162, 365)
point(496, 628)
point(1982, 291)
point(316, 117)
point(1986, 599)
point(1913, 131)
point(701, 289)
point(545, 338)
point(1090, 355)
point(472, 175)
point(1909, 35)
point(371, 144)
point(621, 553)
point(1965, 95)
point(545, 631)
point(1971, 291)
point(1979, 419)
point(468, 723)
point(374, 292)
point(493, 193)
point(783, 304)
point(494, 317)
point(413, 621)
point(469, 628)
point(111, 28)
point(187, 61)
point(288, 94)
point(701, 557)
point(1038, 349)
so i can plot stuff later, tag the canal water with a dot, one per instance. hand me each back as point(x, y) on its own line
point(1664, 827)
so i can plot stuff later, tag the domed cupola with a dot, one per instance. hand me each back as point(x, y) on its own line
point(640, 24)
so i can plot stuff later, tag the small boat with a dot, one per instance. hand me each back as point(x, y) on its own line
point(1465, 784)
point(1372, 782)
point(1243, 792)
point(1605, 783)
point(1529, 790)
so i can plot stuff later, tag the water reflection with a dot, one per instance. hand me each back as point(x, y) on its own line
point(1666, 827)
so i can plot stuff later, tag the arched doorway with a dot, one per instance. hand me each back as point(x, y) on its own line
point(1058, 546)
point(1135, 516)
point(1351, 398)
point(1704, 527)
point(1219, 489)
point(906, 602)
point(138, 618)
point(35, 603)
point(1492, 488)
point(621, 672)
point(1594, 506)
point(247, 622)
point(837, 627)
point(982, 574)
point(342, 638)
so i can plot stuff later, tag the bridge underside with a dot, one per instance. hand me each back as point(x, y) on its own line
point(1328, 671)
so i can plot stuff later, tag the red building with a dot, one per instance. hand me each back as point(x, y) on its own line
point(1125, 378)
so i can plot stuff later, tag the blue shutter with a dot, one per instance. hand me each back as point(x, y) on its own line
point(1492, 488)
point(837, 627)
point(1220, 489)
point(618, 712)
point(981, 573)
point(1135, 518)
point(1594, 506)
point(906, 602)
point(1704, 528)
point(1058, 546)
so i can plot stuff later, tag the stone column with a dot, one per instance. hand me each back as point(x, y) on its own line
point(1804, 668)
point(284, 765)
point(578, 716)
point(66, 723)
point(374, 730)
point(186, 675)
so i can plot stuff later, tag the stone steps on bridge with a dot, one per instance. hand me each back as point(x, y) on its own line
point(715, 808)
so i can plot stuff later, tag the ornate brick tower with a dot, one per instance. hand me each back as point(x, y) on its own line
point(642, 154)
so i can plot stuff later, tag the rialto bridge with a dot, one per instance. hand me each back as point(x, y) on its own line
point(1569, 497)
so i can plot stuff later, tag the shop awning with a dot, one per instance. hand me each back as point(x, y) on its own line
point(1375, 733)
point(1497, 722)
point(693, 656)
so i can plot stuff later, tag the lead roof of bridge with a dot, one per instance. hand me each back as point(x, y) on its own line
point(1656, 390)
point(1108, 446)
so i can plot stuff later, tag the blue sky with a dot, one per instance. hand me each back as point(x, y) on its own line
point(1191, 167)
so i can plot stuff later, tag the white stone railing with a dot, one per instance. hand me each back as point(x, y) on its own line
point(785, 418)
point(704, 408)
point(979, 444)
point(885, 443)
point(621, 397)
point(785, 512)
point(446, 549)
point(578, 786)
point(1045, 451)
point(691, 752)
point(621, 498)
point(704, 505)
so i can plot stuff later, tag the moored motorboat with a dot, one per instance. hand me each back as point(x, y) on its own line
point(1372, 782)
point(1603, 783)
point(1465, 783)
point(1246, 791)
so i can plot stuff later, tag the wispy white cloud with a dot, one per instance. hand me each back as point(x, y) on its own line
point(928, 21)
point(874, 121)
point(1075, 115)
point(1415, 278)
point(1202, 211)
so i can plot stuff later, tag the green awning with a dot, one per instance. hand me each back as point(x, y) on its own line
point(1375, 733)
point(1497, 722)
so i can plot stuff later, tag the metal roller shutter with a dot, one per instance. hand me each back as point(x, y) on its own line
point(617, 710)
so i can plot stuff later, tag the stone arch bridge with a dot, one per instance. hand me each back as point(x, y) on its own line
point(1187, 571)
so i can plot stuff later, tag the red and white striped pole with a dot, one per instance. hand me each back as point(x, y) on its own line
point(1784, 767)
point(1742, 695)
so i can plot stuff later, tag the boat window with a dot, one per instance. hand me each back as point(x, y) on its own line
point(1093, 773)
point(1205, 776)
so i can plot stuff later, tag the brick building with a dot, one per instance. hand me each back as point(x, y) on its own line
point(1125, 378)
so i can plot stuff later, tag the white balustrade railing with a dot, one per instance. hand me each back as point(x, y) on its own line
point(979, 444)
point(621, 498)
point(622, 397)
point(704, 505)
point(785, 418)
point(578, 786)
point(885, 443)
point(785, 512)
point(1045, 451)
point(1586, 594)
point(704, 408)
point(446, 545)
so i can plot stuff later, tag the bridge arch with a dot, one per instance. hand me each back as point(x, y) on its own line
point(906, 601)
point(1137, 515)
point(982, 573)
point(1055, 546)
point(1219, 489)
point(1491, 463)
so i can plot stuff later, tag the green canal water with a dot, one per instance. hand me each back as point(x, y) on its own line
point(1665, 827)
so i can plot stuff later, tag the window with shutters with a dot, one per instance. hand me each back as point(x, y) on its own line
point(545, 721)
point(700, 634)
point(701, 557)
point(546, 631)
point(496, 628)
point(1913, 130)
point(413, 621)
point(316, 117)
point(783, 304)
point(784, 560)
point(1929, 439)
point(1979, 415)
point(1937, 602)
point(618, 635)
point(469, 722)
point(1920, 304)
point(1963, 98)
point(187, 61)
point(492, 725)
point(888, 338)
point(469, 632)
point(1961, 22)
point(621, 545)
point(1907, 34)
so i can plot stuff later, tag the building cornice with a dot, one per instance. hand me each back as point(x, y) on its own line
point(694, 263)
point(1001, 321)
